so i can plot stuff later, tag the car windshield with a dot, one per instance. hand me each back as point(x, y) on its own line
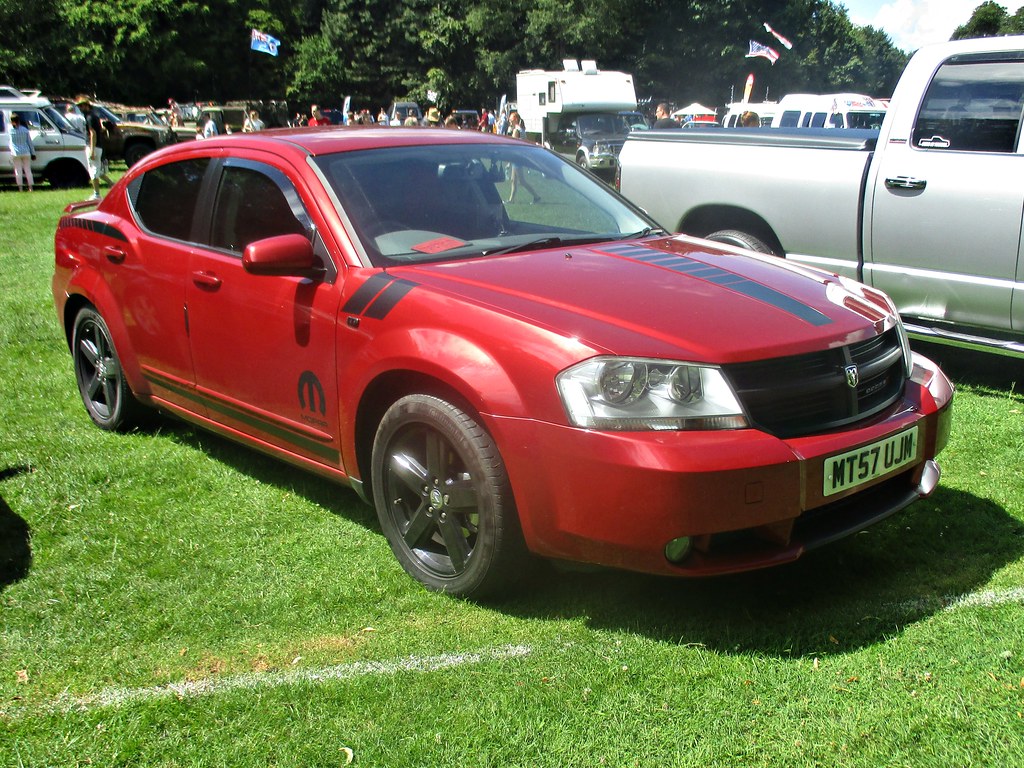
point(106, 114)
point(612, 125)
point(440, 202)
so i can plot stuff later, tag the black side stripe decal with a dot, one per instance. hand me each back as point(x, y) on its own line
point(389, 298)
point(719, 276)
point(377, 296)
point(308, 444)
point(98, 227)
point(364, 295)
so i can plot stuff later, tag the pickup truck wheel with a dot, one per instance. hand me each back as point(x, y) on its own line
point(109, 400)
point(741, 240)
point(444, 500)
point(135, 152)
point(583, 162)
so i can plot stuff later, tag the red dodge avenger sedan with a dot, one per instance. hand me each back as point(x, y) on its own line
point(503, 355)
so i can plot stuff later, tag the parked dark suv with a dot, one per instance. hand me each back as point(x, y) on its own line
point(122, 140)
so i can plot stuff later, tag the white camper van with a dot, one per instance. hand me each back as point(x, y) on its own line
point(765, 111)
point(579, 112)
point(59, 149)
point(829, 110)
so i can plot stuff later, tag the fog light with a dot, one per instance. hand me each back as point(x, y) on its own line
point(677, 549)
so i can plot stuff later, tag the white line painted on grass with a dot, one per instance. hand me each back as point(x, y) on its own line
point(116, 697)
point(988, 598)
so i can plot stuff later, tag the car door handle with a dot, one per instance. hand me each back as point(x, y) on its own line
point(206, 280)
point(114, 254)
point(905, 182)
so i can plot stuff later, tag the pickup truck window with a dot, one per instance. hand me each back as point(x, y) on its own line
point(972, 107)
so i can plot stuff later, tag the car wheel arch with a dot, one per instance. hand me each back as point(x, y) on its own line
point(386, 389)
point(75, 303)
point(706, 220)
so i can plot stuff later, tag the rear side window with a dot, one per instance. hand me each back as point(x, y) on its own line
point(972, 106)
point(164, 199)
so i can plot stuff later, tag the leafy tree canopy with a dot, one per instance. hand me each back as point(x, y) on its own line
point(464, 52)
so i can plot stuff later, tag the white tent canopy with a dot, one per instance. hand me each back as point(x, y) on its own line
point(693, 110)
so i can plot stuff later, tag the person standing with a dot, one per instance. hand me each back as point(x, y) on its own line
point(93, 148)
point(516, 131)
point(316, 117)
point(22, 152)
point(663, 119)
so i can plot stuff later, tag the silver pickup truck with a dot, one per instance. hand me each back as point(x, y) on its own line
point(929, 208)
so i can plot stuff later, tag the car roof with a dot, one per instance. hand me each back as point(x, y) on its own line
point(330, 139)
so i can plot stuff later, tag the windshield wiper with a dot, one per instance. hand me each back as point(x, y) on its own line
point(645, 232)
point(544, 242)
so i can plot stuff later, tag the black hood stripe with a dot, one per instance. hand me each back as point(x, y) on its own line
point(722, 277)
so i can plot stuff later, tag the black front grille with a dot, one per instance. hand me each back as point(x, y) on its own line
point(805, 394)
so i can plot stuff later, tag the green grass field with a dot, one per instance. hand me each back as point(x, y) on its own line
point(170, 599)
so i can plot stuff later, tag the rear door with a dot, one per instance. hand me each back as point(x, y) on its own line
point(264, 346)
point(146, 269)
point(946, 203)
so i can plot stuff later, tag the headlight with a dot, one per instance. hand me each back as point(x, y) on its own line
point(636, 394)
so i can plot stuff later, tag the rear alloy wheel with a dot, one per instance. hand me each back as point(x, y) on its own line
point(105, 392)
point(740, 239)
point(444, 500)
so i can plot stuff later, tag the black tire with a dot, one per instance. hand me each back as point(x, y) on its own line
point(135, 152)
point(108, 399)
point(740, 239)
point(583, 162)
point(443, 498)
point(66, 173)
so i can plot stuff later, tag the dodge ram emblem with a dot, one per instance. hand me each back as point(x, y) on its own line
point(852, 376)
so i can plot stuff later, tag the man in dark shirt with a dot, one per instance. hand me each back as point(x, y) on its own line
point(93, 150)
point(662, 119)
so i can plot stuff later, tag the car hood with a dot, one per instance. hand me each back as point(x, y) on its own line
point(670, 297)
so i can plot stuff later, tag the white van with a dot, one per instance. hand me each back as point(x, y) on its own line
point(829, 110)
point(59, 149)
point(765, 111)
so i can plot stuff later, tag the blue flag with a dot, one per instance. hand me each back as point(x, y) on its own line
point(261, 41)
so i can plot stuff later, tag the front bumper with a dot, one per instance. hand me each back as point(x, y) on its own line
point(743, 499)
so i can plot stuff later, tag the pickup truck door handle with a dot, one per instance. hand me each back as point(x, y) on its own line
point(905, 182)
point(114, 255)
point(206, 280)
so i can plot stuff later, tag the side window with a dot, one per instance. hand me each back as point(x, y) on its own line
point(164, 199)
point(818, 120)
point(972, 106)
point(790, 118)
point(252, 206)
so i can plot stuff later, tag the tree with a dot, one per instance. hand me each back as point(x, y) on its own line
point(987, 20)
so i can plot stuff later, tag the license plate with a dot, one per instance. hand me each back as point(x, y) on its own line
point(853, 468)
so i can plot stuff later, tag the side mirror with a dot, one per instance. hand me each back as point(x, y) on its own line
point(281, 255)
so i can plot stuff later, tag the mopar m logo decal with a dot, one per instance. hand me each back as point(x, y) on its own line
point(311, 391)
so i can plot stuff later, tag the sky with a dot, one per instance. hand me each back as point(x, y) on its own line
point(913, 23)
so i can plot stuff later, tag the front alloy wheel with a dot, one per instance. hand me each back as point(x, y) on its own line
point(105, 392)
point(443, 498)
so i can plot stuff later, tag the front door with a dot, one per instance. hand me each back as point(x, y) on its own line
point(263, 346)
point(945, 219)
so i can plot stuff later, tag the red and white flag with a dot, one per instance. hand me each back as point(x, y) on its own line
point(777, 36)
point(756, 49)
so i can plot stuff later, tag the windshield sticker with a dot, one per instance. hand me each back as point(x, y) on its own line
point(439, 245)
